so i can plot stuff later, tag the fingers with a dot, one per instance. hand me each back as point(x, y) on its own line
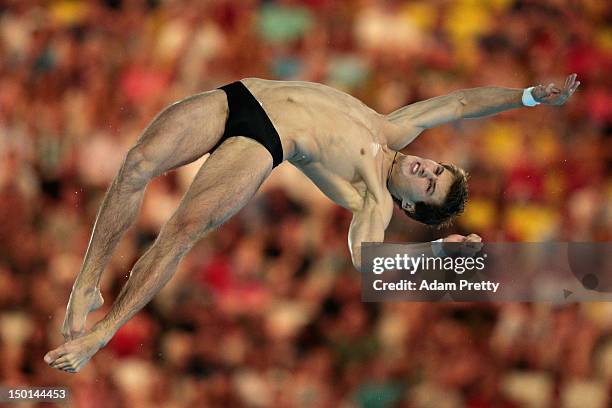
point(473, 238)
point(574, 87)
point(461, 238)
point(551, 95)
point(554, 89)
point(571, 84)
point(473, 243)
point(454, 238)
point(476, 245)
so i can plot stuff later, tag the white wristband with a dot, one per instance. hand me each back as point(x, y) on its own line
point(436, 248)
point(527, 98)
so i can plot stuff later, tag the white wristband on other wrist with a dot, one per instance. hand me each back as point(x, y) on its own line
point(528, 99)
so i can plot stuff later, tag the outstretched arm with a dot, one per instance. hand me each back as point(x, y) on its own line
point(411, 120)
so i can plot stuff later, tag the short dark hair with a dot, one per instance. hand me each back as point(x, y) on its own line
point(442, 215)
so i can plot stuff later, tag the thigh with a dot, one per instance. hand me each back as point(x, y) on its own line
point(222, 186)
point(183, 131)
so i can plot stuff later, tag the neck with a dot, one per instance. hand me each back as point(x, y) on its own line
point(390, 163)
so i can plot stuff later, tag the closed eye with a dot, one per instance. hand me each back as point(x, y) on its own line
point(439, 170)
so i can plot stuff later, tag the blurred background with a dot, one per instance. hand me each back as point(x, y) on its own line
point(266, 311)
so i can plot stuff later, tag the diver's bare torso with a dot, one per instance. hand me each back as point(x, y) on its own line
point(332, 137)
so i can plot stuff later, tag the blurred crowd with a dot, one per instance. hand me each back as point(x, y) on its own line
point(266, 311)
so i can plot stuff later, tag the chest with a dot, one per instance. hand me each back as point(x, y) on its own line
point(347, 173)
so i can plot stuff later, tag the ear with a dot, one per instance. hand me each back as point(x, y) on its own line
point(408, 206)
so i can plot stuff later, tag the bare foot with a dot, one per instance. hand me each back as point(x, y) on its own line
point(79, 306)
point(73, 355)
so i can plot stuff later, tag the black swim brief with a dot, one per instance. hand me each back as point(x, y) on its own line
point(247, 118)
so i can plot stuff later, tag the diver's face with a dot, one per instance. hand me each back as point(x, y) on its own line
point(421, 180)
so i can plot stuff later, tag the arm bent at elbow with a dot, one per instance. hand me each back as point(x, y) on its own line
point(367, 225)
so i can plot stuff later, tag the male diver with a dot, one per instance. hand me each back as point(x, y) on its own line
point(249, 127)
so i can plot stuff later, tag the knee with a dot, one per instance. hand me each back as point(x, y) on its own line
point(137, 169)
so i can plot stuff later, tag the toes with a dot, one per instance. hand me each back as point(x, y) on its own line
point(68, 363)
point(64, 361)
point(54, 354)
point(73, 368)
point(59, 362)
point(64, 366)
